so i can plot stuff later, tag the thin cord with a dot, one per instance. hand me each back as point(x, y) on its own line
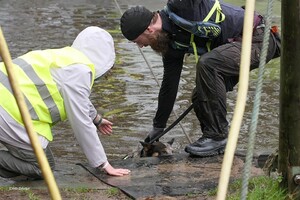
point(156, 80)
point(256, 105)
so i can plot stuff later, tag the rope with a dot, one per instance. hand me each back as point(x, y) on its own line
point(256, 105)
point(241, 100)
point(35, 143)
point(156, 80)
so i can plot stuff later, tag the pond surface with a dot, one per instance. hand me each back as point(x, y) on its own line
point(128, 95)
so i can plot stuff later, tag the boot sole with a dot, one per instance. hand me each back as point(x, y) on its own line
point(215, 152)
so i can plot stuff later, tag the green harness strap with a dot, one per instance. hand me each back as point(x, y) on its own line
point(219, 15)
point(219, 18)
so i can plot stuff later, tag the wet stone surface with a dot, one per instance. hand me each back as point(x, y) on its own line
point(176, 175)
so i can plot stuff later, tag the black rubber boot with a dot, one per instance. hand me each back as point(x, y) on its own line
point(205, 147)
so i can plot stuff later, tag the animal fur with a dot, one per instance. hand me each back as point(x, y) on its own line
point(151, 150)
point(156, 149)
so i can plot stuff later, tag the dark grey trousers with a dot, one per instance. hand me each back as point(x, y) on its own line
point(15, 162)
point(217, 73)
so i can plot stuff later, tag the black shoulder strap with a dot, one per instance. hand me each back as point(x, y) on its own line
point(202, 29)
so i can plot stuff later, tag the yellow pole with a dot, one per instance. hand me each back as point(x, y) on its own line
point(241, 100)
point(41, 157)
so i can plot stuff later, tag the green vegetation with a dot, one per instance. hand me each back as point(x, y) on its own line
point(31, 195)
point(112, 192)
point(259, 188)
point(271, 73)
point(192, 195)
point(78, 189)
point(4, 188)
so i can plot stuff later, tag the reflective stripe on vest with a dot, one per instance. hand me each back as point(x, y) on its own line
point(8, 92)
point(41, 94)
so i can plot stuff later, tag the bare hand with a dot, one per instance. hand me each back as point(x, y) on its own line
point(105, 127)
point(116, 172)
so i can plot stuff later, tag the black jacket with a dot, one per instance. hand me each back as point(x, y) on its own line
point(194, 10)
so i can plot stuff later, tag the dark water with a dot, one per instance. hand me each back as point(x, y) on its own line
point(128, 96)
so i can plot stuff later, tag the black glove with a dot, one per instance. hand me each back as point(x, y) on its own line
point(153, 133)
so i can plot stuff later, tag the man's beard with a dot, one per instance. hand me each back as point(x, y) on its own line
point(160, 42)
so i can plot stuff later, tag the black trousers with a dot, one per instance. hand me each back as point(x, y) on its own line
point(217, 73)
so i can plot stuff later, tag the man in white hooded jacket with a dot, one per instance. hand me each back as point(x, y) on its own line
point(56, 84)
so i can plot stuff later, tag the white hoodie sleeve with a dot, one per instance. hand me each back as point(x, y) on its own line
point(98, 45)
point(74, 82)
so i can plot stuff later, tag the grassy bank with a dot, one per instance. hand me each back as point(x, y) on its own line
point(259, 188)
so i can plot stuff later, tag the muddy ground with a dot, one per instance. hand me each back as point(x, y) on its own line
point(183, 176)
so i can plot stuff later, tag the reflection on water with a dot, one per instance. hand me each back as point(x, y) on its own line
point(128, 95)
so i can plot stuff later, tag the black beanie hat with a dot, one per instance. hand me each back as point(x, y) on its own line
point(135, 21)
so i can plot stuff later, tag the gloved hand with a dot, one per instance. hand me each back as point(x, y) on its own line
point(153, 133)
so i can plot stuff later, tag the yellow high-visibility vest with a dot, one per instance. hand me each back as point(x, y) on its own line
point(44, 102)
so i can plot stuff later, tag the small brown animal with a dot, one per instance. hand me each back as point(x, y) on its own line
point(156, 149)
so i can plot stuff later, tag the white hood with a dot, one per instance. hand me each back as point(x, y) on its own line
point(98, 45)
